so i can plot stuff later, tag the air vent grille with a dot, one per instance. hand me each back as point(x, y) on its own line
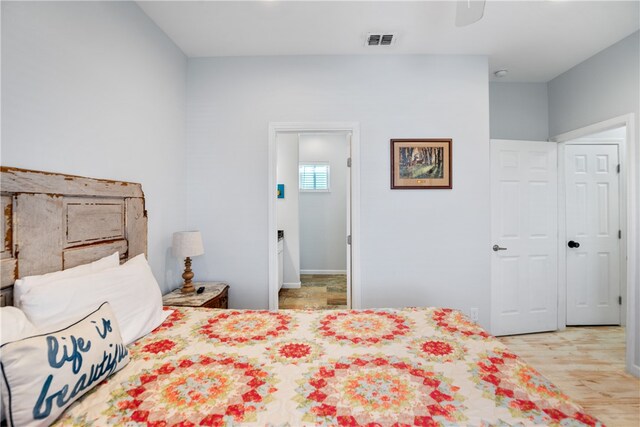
point(373, 40)
point(380, 39)
point(386, 40)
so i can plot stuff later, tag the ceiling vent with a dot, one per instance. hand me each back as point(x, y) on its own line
point(380, 39)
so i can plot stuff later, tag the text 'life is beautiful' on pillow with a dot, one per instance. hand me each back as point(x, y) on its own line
point(130, 289)
point(44, 374)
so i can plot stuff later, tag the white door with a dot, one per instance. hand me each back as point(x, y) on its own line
point(348, 237)
point(524, 231)
point(593, 246)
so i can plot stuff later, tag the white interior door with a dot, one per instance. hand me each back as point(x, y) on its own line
point(348, 239)
point(592, 224)
point(524, 230)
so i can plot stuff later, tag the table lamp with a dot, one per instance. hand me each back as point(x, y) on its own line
point(187, 244)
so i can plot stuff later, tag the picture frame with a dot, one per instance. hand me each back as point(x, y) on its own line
point(420, 164)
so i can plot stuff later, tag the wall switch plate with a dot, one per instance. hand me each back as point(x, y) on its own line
point(474, 314)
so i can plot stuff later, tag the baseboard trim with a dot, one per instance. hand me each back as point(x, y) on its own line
point(323, 271)
point(295, 285)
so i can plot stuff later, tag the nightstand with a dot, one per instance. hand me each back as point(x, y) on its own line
point(215, 295)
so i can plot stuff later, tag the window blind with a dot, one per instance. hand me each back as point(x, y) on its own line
point(314, 177)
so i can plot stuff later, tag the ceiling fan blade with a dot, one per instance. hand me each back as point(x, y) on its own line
point(468, 12)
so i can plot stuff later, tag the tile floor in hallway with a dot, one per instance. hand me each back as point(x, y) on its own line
point(318, 291)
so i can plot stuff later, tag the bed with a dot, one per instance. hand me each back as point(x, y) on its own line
point(413, 366)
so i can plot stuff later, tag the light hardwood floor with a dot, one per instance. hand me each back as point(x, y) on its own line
point(587, 363)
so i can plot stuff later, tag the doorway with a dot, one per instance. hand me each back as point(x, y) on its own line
point(323, 276)
point(592, 228)
point(629, 315)
point(626, 234)
point(556, 219)
point(311, 210)
point(524, 231)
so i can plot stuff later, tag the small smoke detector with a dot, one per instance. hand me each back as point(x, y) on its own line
point(380, 39)
point(501, 73)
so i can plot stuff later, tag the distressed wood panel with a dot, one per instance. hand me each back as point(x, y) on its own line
point(39, 233)
point(86, 254)
point(90, 220)
point(6, 297)
point(14, 180)
point(6, 226)
point(7, 272)
point(55, 221)
point(136, 225)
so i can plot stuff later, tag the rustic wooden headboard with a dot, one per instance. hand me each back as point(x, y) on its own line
point(54, 221)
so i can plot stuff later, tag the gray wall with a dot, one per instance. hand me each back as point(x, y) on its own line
point(410, 251)
point(96, 89)
point(519, 111)
point(323, 215)
point(288, 209)
point(604, 86)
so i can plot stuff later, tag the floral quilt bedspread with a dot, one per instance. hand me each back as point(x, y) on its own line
point(415, 366)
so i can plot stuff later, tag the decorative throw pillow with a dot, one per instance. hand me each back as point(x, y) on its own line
point(14, 325)
point(44, 374)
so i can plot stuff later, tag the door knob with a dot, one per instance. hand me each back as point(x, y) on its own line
point(497, 248)
point(573, 244)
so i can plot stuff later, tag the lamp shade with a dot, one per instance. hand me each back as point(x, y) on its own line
point(187, 244)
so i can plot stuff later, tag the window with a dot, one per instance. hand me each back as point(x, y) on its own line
point(314, 177)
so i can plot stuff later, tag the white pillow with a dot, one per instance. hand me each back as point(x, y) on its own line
point(44, 374)
point(14, 326)
point(130, 289)
point(24, 285)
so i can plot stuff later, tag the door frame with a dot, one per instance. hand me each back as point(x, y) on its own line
point(354, 291)
point(628, 244)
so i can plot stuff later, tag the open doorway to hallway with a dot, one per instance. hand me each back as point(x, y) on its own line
point(313, 219)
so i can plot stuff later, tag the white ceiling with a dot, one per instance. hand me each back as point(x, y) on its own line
point(534, 40)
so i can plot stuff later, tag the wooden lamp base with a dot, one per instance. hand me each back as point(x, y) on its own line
point(187, 286)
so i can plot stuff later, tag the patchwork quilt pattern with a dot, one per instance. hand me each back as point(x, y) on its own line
point(405, 367)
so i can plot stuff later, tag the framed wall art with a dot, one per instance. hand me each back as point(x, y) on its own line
point(421, 164)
